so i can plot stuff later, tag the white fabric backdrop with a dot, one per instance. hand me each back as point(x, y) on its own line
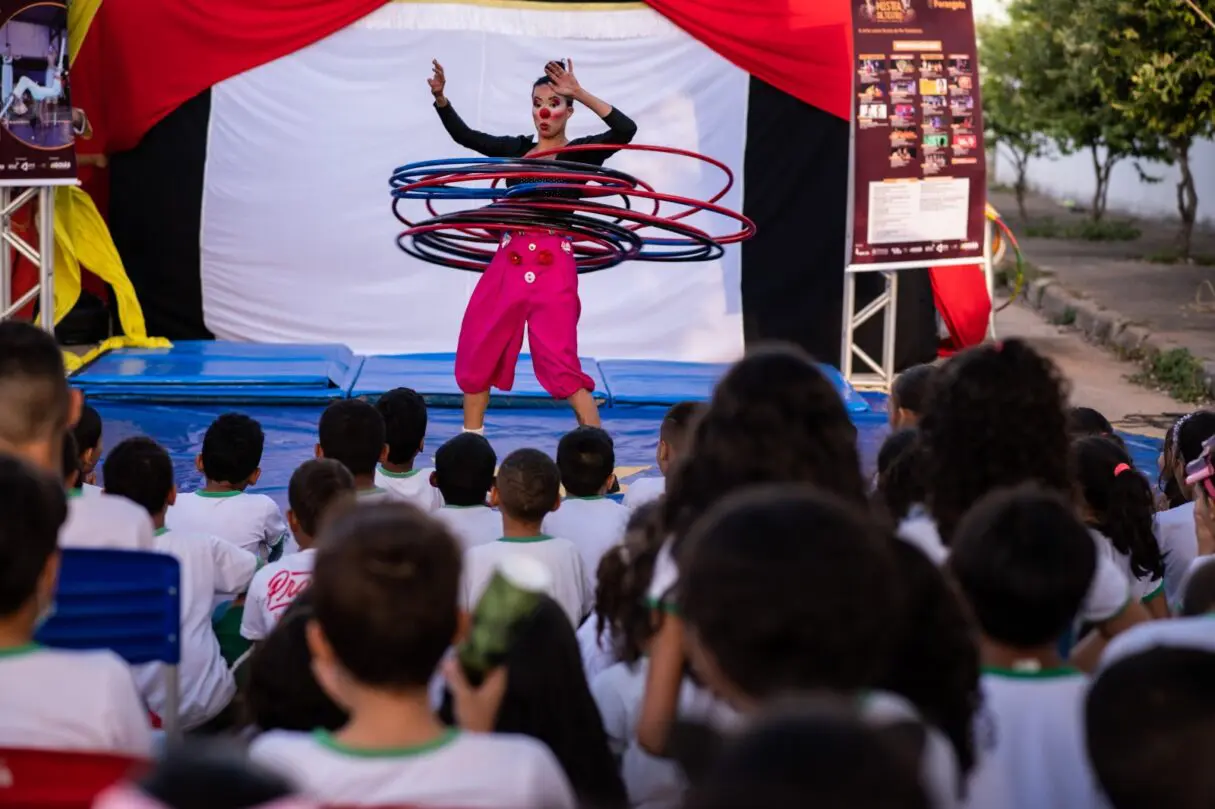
point(298, 242)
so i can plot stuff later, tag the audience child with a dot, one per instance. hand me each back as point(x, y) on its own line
point(1085, 421)
point(527, 489)
point(624, 623)
point(774, 418)
point(1148, 723)
point(814, 755)
point(935, 659)
point(1116, 504)
point(404, 414)
point(352, 432)
point(316, 487)
point(463, 476)
point(140, 470)
point(230, 461)
point(586, 459)
point(547, 698)
point(384, 598)
point(52, 698)
point(672, 441)
point(71, 463)
point(1024, 562)
point(900, 470)
point(37, 408)
point(997, 417)
point(1175, 526)
point(908, 396)
point(281, 692)
point(87, 433)
point(754, 636)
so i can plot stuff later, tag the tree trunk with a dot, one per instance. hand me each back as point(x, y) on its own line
point(1187, 199)
point(1021, 186)
point(1102, 169)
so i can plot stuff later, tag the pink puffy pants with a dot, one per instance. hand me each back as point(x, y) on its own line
point(532, 281)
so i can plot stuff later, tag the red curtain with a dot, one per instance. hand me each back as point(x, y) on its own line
point(141, 60)
point(803, 47)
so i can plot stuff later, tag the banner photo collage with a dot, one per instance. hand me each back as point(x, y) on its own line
point(919, 171)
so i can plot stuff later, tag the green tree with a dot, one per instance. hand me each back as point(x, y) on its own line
point(1012, 117)
point(1154, 61)
point(1076, 117)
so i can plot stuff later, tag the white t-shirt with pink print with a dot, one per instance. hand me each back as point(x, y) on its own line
point(273, 589)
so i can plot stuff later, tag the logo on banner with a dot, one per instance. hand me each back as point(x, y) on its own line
point(895, 12)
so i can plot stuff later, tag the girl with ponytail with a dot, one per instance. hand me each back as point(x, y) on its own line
point(1117, 504)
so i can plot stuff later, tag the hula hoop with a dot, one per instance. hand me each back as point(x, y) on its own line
point(564, 197)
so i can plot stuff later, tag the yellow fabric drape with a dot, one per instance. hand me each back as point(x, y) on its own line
point(82, 239)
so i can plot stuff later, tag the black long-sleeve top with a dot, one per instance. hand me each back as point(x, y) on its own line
point(621, 130)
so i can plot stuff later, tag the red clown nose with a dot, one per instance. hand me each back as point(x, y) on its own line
point(545, 114)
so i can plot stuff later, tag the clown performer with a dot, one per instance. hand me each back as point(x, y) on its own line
point(532, 280)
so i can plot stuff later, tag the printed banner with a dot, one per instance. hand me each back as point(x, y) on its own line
point(38, 125)
point(918, 169)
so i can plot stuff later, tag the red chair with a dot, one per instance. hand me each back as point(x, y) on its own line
point(53, 779)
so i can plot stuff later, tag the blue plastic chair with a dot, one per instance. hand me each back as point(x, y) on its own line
point(128, 602)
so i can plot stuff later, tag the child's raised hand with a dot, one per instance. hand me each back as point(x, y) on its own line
point(476, 709)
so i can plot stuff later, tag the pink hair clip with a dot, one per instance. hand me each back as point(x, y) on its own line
point(1120, 468)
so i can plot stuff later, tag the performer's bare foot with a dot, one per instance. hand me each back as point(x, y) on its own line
point(584, 408)
point(475, 405)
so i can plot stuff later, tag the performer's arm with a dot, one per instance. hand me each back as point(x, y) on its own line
point(469, 138)
point(621, 128)
point(462, 133)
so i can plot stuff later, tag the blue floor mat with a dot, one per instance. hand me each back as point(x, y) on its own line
point(662, 382)
point(433, 376)
point(207, 371)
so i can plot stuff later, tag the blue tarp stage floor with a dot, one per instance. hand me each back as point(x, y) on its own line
point(173, 394)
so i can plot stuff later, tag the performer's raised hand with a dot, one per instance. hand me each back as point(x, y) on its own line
point(437, 82)
point(561, 77)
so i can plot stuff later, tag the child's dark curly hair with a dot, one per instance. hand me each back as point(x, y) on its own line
point(935, 663)
point(996, 417)
point(623, 580)
point(773, 418)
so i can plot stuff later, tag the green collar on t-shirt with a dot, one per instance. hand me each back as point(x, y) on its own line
point(326, 739)
point(233, 493)
point(1029, 674)
point(161, 531)
point(592, 497)
point(374, 490)
point(536, 538)
point(17, 651)
point(399, 475)
point(73, 493)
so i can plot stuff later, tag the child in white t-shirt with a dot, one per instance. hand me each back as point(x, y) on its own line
point(1116, 502)
point(464, 474)
point(315, 488)
point(51, 698)
point(230, 459)
point(404, 414)
point(1149, 720)
point(87, 434)
point(140, 470)
point(752, 634)
point(352, 432)
point(586, 459)
point(1024, 563)
point(385, 594)
point(624, 624)
point(527, 489)
point(672, 442)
